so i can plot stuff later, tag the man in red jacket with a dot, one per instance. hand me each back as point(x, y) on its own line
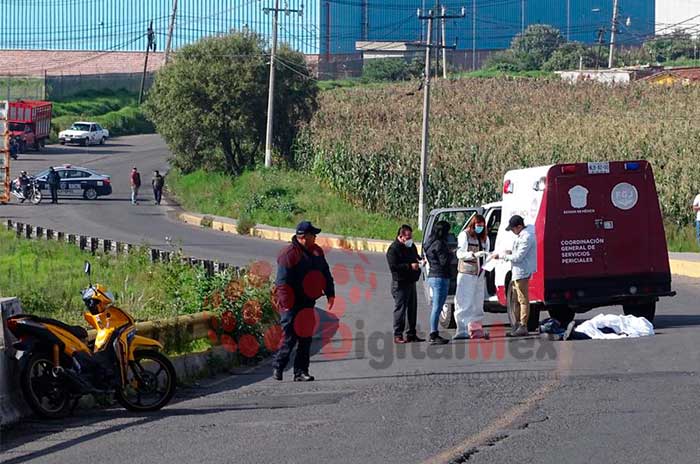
point(303, 276)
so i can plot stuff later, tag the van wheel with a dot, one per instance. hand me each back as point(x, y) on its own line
point(533, 322)
point(645, 310)
point(447, 316)
point(562, 314)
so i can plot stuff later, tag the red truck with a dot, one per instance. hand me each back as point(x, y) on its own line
point(29, 123)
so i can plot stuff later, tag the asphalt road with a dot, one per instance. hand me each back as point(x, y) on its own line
point(525, 400)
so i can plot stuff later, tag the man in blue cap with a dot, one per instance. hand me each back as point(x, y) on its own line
point(303, 276)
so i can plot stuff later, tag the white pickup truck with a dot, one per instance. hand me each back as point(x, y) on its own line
point(84, 133)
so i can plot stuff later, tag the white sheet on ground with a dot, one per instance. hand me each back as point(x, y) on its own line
point(624, 326)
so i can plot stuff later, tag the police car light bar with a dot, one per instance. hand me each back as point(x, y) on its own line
point(632, 166)
point(568, 169)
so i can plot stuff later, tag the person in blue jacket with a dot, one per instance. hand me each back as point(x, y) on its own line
point(303, 276)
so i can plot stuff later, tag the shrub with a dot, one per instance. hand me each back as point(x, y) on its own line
point(387, 69)
point(245, 223)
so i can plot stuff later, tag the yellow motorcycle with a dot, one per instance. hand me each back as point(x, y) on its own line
point(58, 364)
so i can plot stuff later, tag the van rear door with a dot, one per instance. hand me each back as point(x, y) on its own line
point(624, 216)
point(457, 218)
point(579, 238)
point(605, 213)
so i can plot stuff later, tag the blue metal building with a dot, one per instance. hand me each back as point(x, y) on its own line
point(327, 27)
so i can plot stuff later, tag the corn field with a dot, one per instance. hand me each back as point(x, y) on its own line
point(365, 142)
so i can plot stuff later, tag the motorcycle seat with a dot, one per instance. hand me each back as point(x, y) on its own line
point(78, 331)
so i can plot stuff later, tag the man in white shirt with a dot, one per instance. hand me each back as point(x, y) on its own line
point(523, 257)
point(696, 208)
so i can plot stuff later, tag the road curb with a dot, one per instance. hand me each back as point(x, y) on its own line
point(685, 268)
point(678, 267)
point(266, 232)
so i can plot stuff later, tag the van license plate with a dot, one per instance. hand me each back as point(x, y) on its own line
point(599, 168)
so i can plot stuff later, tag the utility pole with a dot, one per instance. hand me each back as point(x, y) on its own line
point(437, 42)
point(613, 31)
point(522, 16)
point(430, 17)
point(150, 46)
point(271, 92)
point(473, 35)
point(426, 123)
point(171, 29)
point(444, 42)
point(601, 33)
point(568, 20)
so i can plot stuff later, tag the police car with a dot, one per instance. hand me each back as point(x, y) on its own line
point(77, 181)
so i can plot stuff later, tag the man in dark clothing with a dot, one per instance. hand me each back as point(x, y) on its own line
point(54, 182)
point(303, 276)
point(403, 259)
point(135, 181)
point(158, 182)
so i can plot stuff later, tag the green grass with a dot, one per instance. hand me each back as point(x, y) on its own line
point(48, 278)
point(489, 74)
point(21, 88)
point(117, 111)
point(681, 63)
point(279, 198)
point(94, 103)
point(681, 239)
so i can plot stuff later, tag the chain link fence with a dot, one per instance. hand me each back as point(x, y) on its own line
point(22, 88)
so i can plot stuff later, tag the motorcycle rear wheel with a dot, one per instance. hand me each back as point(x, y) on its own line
point(151, 375)
point(37, 197)
point(44, 393)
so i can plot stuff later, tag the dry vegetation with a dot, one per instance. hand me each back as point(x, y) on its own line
point(365, 142)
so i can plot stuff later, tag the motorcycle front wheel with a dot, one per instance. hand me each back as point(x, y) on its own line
point(45, 394)
point(150, 382)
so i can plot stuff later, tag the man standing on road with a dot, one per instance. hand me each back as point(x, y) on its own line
point(135, 185)
point(54, 182)
point(403, 259)
point(524, 260)
point(303, 276)
point(696, 209)
point(158, 182)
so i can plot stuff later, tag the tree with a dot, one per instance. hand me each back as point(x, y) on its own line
point(568, 57)
point(536, 45)
point(210, 102)
point(678, 44)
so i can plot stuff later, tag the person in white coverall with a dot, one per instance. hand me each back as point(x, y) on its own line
point(473, 247)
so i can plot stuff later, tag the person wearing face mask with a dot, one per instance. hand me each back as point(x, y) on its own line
point(472, 249)
point(402, 257)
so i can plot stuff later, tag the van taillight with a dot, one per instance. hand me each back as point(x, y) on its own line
point(508, 187)
point(632, 166)
point(568, 169)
